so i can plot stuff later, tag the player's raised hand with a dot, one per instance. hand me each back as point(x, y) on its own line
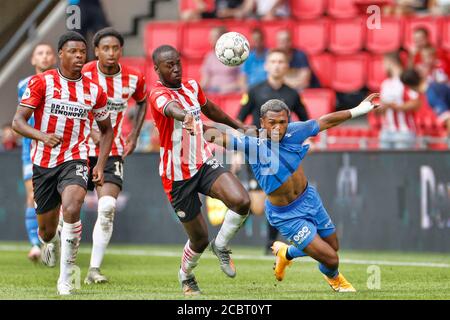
point(97, 176)
point(189, 123)
point(371, 99)
point(51, 140)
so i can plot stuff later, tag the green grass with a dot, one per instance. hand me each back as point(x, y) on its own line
point(150, 272)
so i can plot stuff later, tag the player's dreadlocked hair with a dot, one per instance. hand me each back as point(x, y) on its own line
point(70, 36)
point(274, 105)
point(107, 32)
point(162, 49)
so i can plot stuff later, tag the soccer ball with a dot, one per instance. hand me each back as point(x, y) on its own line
point(232, 49)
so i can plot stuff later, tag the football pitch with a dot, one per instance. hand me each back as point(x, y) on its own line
point(150, 272)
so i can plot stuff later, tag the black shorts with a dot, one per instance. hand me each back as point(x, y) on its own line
point(184, 194)
point(49, 183)
point(113, 172)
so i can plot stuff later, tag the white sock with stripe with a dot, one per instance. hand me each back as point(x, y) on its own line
point(189, 261)
point(70, 242)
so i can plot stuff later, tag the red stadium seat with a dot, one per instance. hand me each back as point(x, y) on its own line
point(322, 66)
point(138, 63)
point(375, 73)
point(445, 33)
point(271, 28)
point(190, 4)
point(160, 33)
point(342, 8)
point(192, 68)
point(307, 9)
point(311, 36)
point(386, 39)
point(432, 24)
point(349, 72)
point(243, 28)
point(318, 101)
point(347, 35)
point(195, 39)
point(231, 104)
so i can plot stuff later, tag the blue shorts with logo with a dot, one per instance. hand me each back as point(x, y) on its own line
point(302, 219)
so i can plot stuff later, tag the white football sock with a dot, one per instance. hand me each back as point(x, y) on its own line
point(103, 229)
point(231, 224)
point(189, 261)
point(70, 242)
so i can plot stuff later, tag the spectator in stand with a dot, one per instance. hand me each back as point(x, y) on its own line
point(432, 67)
point(222, 9)
point(398, 104)
point(300, 75)
point(421, 42)
point(407, 7)
point(9, 138)
point(252, 71)
point(437, 94)
point(440, 7)
point(216, 77)
point(269, 9)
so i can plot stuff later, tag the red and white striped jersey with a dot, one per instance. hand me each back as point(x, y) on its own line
point(66, 108)
point(181, 155)
point(119, 88)
point(393, 91)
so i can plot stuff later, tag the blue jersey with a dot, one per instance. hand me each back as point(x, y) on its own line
point(438, 96)
point(274, 162)
point(26, 142)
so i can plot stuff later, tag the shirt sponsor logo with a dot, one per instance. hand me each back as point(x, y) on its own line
point(68, 109)
point(116, 106)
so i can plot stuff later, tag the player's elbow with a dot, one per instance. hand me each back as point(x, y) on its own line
point(16, 123)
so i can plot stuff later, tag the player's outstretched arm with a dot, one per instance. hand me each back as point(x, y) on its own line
point(175, 110)
point(213, 112)
point(336, 118)
point(21, 126)
point(221, 135)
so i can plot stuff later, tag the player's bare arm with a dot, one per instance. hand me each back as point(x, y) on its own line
point(21, 126)
point(131, 141)
point(106, 139)
point(213, 112)
point(336, 118)
point(174, 110)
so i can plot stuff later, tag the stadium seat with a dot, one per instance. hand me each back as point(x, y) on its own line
point(243, 28)
point(349, 72)
point(318, 101)
point(311, 36)
point(138, 63)
point(346, 35)
point(342, 8)
point(432, 24)
point(307, 9)
point(192, 68)
point(160, 33)
point(195, 39)
point(322, 65)
point(386, 39)
point(190, 4)
point(375, 73)
point(231, 104)
point(445, 34)
point(271, 28)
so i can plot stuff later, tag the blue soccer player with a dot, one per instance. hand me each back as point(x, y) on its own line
point(293, 206)
point(42, 59)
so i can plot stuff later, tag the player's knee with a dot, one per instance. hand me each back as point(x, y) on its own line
point(72, 207)
point(332, 261)
point(242, 204)
point(106, 208)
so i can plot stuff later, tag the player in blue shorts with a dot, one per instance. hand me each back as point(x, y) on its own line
point(42, 59)
point(292, 206)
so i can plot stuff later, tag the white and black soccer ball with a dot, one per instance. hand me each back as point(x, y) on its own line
point(232, 49)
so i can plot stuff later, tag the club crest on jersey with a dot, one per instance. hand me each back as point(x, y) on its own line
point(125, 91)
point(26, 94)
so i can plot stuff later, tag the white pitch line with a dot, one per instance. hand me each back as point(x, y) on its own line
point(156, 253)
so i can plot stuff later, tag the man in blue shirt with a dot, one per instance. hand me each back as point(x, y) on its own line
point(253, 71)
point(293, 206)
point(42, 59)
point(437, 94)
